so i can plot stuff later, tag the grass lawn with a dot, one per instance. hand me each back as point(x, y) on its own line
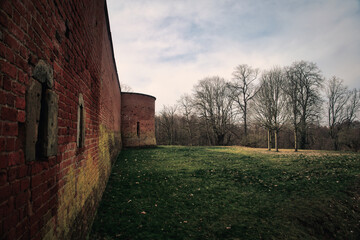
point(172, 192)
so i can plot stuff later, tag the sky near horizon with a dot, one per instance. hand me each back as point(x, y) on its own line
point(164, 47)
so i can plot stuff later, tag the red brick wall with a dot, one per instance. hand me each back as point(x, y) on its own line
point(56, 197)
point(138, 109)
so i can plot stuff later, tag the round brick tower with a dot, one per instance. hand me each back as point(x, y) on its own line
point(137, 119)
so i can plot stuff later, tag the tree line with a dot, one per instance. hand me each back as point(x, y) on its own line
point(283, 107)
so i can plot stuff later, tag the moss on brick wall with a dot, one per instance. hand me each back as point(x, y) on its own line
point(55, 196)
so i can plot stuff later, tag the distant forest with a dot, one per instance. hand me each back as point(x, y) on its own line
point(284, 107)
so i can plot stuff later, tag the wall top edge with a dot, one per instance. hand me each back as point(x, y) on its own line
point(135, 93)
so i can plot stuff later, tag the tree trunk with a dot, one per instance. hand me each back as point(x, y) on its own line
point(334, 136)
point(336, 143)
point(190, 135)
point(295, 140)
point(220, 139)
point(209, 138)
point(269, 140)
point(276, 141)
point(245, 120)
point(336, 139)
point(171, 138)
point(302, 134)
point(303, 139)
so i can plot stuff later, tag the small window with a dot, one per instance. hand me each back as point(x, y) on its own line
point(80, 140)
point(41, 122)
point(40, 140)
point(81, 137)
point(138, 129)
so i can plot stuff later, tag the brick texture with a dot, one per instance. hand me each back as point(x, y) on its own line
point(56, 197)
point(138, 120)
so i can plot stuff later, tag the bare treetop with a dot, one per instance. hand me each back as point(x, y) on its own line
point(243, 89)
point(125, 88)
point(213, 101)
point(243, 80)
point(304, 81)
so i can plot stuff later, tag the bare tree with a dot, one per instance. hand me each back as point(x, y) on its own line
point(125, 88)
point(263, 108)
point(167, 120)
point(291, 87)
point(303, 83)
point(337, 98)
point(353, 105)
point(243, 89)
point(206, 117)
point(186, 105)
point(279, 113)
point(214, 104)
point(271, 103)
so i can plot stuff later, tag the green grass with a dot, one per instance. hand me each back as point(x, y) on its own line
point(230, 193)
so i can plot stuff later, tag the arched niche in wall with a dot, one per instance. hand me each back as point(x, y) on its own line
point(80, 137)
point(41, 124)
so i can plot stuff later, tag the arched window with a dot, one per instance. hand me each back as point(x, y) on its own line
point(41, 115)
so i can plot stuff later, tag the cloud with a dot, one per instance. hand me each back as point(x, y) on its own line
point(163, 48)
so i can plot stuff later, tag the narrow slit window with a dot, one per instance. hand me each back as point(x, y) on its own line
point(40, 141)
point(138, 129)
point(81, 123)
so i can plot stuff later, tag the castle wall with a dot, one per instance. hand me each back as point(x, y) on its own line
point(60, 110)
point(138, 119)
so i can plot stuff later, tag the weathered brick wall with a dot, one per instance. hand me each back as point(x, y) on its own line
point(55, 197)
point(137, 119)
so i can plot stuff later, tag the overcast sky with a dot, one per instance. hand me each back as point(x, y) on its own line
point(163, 47)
